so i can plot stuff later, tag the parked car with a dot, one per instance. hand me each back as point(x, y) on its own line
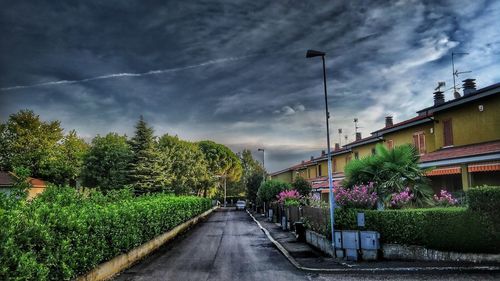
point(241, 205)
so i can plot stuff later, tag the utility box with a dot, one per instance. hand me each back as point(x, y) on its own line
point(350, 242)
point(370, 244)
point(361, 219)
point(339, 252)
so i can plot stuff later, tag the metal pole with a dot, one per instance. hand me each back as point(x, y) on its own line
point(453, 70)
point(330, 184)
point(225, 200)
point(264, 164)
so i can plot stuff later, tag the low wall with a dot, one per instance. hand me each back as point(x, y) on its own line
point(403, 252)
point(119, 263)
point(319, 241)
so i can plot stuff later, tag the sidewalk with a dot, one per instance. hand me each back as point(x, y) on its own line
point(306, 257)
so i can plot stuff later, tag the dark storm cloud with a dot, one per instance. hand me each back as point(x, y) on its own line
point(234, 71)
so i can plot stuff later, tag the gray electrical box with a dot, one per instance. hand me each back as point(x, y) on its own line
point(361, 219)
point(350, 239)
point(370, 240)
point(339, 252)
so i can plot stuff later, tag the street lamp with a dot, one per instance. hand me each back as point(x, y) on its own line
point(311, 54)
point(263, 163)
point(264, 170)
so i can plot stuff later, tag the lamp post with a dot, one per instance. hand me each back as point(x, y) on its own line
point(264, 170)
point(311, 54)
point(263, 163)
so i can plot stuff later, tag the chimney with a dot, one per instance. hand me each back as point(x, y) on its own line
point(358, 136)
point(303, 161)
point(337, 146)
point(388, 121)
point(312, 158)
point(323, 153)
point(438, 98)
point(469, 86)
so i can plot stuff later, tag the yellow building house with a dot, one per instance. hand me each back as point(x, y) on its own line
point(459, 139)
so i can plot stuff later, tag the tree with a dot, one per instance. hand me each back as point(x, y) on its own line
point(106, 164)
point(391, 171)
point(253, 183)
point(26, 141)
point(302, 186)
point(65, 162)
point(148, 166)
point(270, 189)
point(222, 163)
point(188, 164)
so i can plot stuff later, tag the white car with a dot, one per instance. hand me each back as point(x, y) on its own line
point(240, 205)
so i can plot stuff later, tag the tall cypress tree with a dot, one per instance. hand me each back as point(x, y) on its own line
point(147, 171)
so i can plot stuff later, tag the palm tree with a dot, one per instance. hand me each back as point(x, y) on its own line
point(392, 171)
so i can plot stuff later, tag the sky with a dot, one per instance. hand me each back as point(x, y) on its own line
point(235, 71)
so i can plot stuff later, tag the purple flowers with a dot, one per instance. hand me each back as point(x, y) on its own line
point(289, 197)
point(401, 199)
point(359, 196)
point(445, 199)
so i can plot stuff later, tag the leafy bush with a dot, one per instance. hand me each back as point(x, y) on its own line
point(289, 197)
point(445, 199)
point(302, 186)
point(270, 189)
point(401, 199)
point(359, 196)
point(60, 237)
point(449, 229)
point(484, 198)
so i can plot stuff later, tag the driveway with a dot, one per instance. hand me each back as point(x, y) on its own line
point(230, 246)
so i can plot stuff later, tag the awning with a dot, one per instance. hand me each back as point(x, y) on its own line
point(325, 191)
point(484, 167)
point(444, 171)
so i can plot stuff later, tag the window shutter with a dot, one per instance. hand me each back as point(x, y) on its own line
point(421, 142)
point(448, 132)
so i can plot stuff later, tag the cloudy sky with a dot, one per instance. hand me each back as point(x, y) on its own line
point(235, 71)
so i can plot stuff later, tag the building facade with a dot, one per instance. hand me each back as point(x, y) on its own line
point(457, 140)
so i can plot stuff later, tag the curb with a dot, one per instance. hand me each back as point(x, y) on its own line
point(108, 269)
point(297, 265)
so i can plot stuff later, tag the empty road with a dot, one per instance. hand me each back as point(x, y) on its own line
point(230, 246)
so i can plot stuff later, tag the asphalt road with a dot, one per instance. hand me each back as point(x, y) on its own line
point(230, 246)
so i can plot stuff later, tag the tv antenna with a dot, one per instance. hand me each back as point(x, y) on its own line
point(356, 127)
point(456, 72)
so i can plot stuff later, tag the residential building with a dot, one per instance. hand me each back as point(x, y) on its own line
point(7, 181)
point(458, 140)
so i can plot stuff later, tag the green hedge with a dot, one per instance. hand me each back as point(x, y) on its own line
point(58, 238)
point(474, 229)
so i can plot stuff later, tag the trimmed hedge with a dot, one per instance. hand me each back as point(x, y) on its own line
point(448, 229)
point(484, 198)
point(58, 238)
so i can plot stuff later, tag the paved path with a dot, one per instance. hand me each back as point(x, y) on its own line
point(230, 246)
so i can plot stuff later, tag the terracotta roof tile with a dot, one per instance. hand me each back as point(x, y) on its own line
point(462, 151)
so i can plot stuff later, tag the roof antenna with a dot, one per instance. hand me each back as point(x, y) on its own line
point(340, 136)
point(356, 126)
point(456, 72)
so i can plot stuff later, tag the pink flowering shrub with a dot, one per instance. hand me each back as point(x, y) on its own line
point(445, 199)
point(359, 196)
point(401, 199)
point(289, 197)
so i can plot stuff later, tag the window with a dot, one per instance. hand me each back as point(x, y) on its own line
point(448, 132)
point(356, 155)
point(334, 165)
point(419, 142)
point(347, 159)
point(319, 170)
point(390, 144)
point(374, 151)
